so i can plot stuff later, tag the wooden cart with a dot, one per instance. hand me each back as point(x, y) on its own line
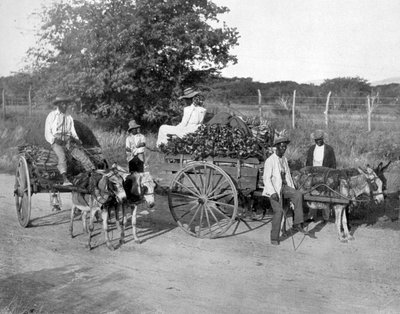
point(35, 175)
point(204, 196)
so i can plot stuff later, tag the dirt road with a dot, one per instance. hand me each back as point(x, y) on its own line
point(43, 270)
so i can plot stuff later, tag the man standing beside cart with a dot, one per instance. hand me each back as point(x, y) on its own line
point(278, 184)
point(60, 133)
point(320, 155)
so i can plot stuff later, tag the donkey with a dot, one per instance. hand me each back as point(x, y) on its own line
point(103, 187)
point(139, 188)
point(348, 185)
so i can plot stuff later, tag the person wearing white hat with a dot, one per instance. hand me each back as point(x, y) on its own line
point(193, 116)
point(61, 134)
point(135, 145)
point(278, 184)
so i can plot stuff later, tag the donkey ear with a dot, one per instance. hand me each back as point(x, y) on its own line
point(362, 171)
point(385, 167)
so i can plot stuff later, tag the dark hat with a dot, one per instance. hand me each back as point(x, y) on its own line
point(133, 125)
point(189, 92)
point(282, 139)
point(318, 134)
point(63, 99)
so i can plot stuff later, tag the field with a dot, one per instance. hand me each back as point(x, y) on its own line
point(347, 133)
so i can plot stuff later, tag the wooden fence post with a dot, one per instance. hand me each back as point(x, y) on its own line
point(30, 101)
point(259, 103)
point(327, 109)
point(369, 112)
point(4, 103)
point(293, 111)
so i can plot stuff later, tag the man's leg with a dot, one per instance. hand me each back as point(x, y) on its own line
point(62, 161)
point(276, 220)
point(296, 197)
point(81, 156)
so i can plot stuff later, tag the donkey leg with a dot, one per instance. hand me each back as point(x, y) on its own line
point(118, 222)
point(91, 225)
point(84, 222)
point(104, 216)
point(338, 222)
point(71, 223)
point(134, 233)
point(346, 231)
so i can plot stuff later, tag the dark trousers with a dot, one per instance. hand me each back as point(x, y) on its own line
point(136, 165)
point(296, 197)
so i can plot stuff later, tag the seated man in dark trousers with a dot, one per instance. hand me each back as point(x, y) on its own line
point(278, 184)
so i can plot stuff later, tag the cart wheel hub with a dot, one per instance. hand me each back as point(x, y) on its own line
point(202, 200)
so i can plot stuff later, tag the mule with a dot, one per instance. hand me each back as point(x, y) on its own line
point(347, 184)
point(139, 188)
point(104, 187)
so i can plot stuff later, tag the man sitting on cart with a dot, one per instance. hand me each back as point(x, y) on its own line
point(193, 116)
point(60, 133)
point(278, 184)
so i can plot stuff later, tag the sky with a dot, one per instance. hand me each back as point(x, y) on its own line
point(297, 40)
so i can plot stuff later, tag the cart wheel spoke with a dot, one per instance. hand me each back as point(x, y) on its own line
point(202, 210)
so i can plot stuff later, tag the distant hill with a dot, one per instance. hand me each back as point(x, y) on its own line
point(391, 80)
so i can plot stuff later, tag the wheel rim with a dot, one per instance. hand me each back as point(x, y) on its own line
point(203, 200)
point(22, 192)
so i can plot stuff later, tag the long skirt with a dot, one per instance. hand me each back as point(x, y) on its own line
point(179, 131)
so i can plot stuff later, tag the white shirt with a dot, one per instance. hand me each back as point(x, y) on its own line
point(273, 167)
point(57, 126)
point(318, 155)
point(132, 142)
point(192, 115)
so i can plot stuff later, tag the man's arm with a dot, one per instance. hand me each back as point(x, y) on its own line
point(310, 157)
point(47, 129)
point(73, 131)
point(269, 188)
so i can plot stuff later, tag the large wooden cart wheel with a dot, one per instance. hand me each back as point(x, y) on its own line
point(22, 192)
point(203, 200)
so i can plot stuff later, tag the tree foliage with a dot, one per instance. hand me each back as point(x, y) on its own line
point(131, 58)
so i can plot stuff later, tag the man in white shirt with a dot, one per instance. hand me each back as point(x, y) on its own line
point(135, 144)
point(320, 155)
point(61, 135)
point(193, 116)
point(278, 184)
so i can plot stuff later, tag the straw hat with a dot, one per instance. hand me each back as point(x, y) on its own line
point(282, 139)
point(63, 99)
point(133, 125)
point(318, 134)
point(189, 92)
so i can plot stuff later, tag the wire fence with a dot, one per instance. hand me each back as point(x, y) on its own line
point(295, 108)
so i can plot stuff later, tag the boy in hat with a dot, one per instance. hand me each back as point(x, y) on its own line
point(135, 144)
point(61, 135)
point(320, 155)
point(278, 184)
point(193, 116)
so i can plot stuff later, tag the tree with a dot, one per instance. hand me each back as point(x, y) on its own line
point(131, 58)
point(347, 89)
